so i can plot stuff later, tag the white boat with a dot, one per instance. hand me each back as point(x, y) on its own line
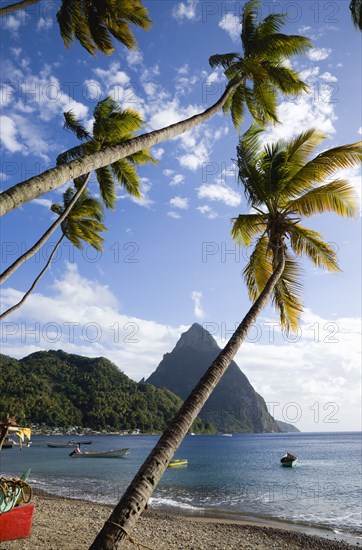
point(114, 453)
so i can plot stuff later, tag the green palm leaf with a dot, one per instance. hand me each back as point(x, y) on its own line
point(259, 268)
point(306, 242)
point(246, 227)
point(337, 196)
point(73, 124)
point(94, 22)
point(127, 175)
point(287, 296)
point(107, 186)
point(324, 166)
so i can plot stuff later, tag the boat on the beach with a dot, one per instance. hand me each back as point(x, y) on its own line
point(116, 453)
point(17, 523)
point(178, 462)
point(15, 518)
point(67, 445)
point(288, 460)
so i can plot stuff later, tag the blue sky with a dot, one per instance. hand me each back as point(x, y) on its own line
point(168, 259)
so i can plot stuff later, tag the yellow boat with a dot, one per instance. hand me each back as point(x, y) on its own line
point(178, 462)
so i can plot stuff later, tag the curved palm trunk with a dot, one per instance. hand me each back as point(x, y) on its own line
point(27, 294)
point(55, 177)
point(29, 253)
point(17, 6)
point(132, 504)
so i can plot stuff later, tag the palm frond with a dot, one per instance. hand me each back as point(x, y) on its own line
point(246, 227)
point(286, 80)
point(276, 46)
point(249, 22)
point(306, 242)
point(238, 107)
point(73, 124)
point(270, 25)
point(338, 196)
point(324, 166)
point(287, 296)
point(74, 153)
point(223, 60)
point(141, 157)
point(127, 175)
point(356, 12)
point(107, 186)
point(259, 268)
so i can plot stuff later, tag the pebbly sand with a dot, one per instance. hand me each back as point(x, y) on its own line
point(63, 524)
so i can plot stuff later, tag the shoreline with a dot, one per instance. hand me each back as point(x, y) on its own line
point(72, 524)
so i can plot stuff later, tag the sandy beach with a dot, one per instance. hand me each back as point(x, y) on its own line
point(72, 525)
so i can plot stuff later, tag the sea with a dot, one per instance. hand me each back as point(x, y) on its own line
point(236, 477)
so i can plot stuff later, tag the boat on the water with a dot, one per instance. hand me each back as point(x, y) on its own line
point(288, 460)
point(8, 443)
point(67, 445)
point(116, 453)
point(178, 462)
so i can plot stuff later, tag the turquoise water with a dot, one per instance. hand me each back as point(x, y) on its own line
point(239, 476)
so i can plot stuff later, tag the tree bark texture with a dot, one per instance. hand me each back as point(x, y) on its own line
point(55, 177)
point(132, 503)
point(17, 6)
point(34, 249)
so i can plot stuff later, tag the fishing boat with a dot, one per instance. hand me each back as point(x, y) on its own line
point(15, 518)
point(117, 453)
point(17, 523)
point(8, 443)
point(288, 460)
point(178, 462)
point(68, 445)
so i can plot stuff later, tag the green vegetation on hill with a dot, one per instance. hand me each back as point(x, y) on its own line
point(60, 389)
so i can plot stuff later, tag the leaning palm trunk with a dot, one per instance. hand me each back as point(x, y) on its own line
point(17, 6)
point(34, 249)
point(55, 177)
point(27, 294)
point(131, 505)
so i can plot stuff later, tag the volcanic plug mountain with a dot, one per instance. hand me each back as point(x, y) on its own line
point(234, 405)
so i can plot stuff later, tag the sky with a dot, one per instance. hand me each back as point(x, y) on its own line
point(168, 258)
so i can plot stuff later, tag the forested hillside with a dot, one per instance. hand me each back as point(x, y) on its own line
point(61, 389)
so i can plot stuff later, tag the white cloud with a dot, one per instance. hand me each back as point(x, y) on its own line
point(180, 202)
point(197, 158)
point(176, 180)
point(44, 24)
point(217, 192)
point(196, 297)
point(42, 202)
point(134, 57)
point(92, 89)
point(319, 54)
point(214, 77)
point(9, 133)
point(174, 215)
point(84, 317)
point(158, 152)
point(207, 211)
point(231, 24)
point(185, 11)
point(14, 21)
point(359, 131)
point(328, 77)
point(168, 172)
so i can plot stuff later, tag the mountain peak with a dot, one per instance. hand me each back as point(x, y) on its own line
point(198, 338)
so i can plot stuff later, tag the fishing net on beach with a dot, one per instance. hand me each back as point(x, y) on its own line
point(14, 490)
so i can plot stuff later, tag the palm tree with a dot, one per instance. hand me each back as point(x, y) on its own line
point(356, 12)
point(83, 224)
point(253, 82)
point(94, 22)
point(281, 185)
point(111, 126)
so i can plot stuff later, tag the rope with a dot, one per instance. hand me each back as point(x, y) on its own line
point(15, 489)
point(131, 539)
